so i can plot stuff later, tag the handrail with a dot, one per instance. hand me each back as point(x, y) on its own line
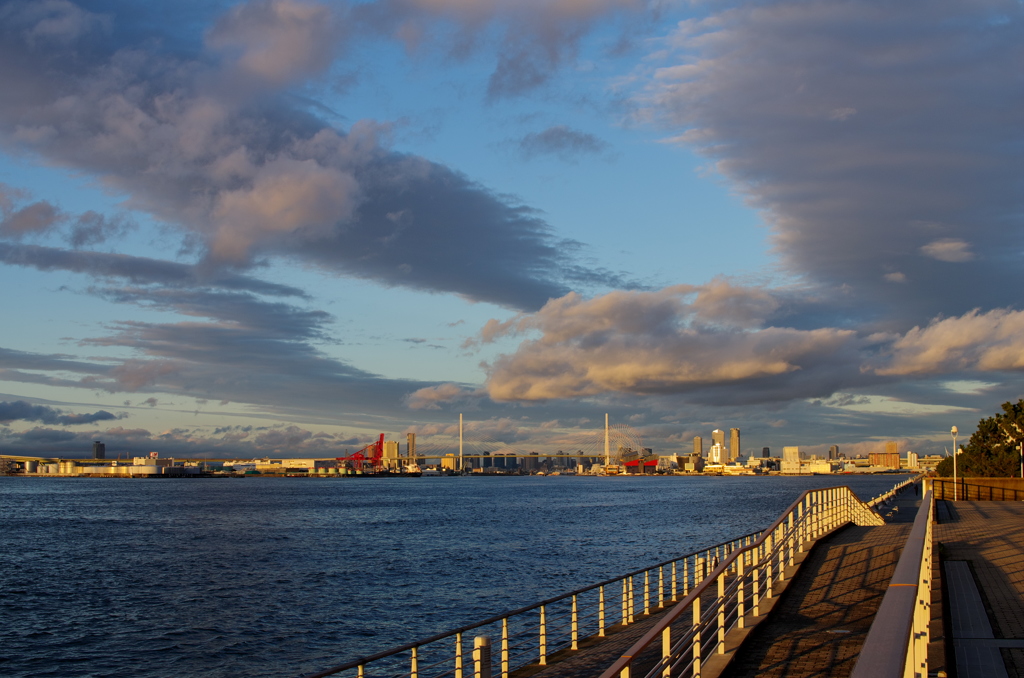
point(526, 637)
point(897, 642)
point(725, 546)
point(814, 513)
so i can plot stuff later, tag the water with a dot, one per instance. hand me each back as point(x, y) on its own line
point(284, 577)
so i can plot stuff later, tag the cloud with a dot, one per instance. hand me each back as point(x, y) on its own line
point(990, 341)
point(278, 41)
point(561, 141)
point(948, 249)
point(138, 270)
point(245, 172)
point(666, 342)
point(533, 38)
point(25, 411)
point(432, 397)
point(845, 123)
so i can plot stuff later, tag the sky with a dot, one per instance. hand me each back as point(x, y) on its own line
point(282, 227)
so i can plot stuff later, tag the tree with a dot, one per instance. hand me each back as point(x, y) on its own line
point(992, 451)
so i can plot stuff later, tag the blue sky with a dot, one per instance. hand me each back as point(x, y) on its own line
point(281, 227)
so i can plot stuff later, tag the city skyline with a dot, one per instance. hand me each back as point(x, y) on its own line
point(282, 227)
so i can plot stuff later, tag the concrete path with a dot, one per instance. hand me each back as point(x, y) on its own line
point(820, 624)
point(983, 558)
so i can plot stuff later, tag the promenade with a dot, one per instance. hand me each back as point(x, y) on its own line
point(982, 551)
point(818, 626)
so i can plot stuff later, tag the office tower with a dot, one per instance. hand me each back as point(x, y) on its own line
point(734, 444)
point(891, 447)
point(698, 446)
point(717, 454)
point(833, 452)
point(99, 450)
point(765, 452)
point(718, 436)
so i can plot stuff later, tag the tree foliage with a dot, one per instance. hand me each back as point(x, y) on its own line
point(992, 451)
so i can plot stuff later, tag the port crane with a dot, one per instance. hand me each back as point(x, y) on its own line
point(371, 454)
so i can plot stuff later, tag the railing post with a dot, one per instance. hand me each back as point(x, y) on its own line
point(543, 636)
point(458, 655)
point(696, 637)
point(481, 657)
point(661, 586)
point(666, 651)
point(791, 538)
point(504, 647)
point(625, 602)
point(575, 624)
point(600, 611)
point(755, 581)
point(674, 597)
point(414, 664)
point(686, 576)
point(740, 605)
point(720, 581)
point(800, 526)
point(632, 597)
point(647, 592)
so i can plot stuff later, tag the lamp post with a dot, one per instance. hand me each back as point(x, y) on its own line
point(956, 488)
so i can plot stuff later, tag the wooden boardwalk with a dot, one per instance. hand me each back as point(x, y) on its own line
point(983, 557)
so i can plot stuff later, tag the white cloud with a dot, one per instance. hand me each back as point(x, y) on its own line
point(948, 249)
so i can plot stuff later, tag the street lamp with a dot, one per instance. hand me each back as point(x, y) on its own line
point(953, 433)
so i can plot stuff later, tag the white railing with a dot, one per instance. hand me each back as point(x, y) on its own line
point(897, 642)
point(531, 635)
point(688, 634)
point(744, 570)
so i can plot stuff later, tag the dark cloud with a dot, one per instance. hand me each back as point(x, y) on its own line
point(882, 142)
point(25, 411)
point(138, 270)
point(561, 141)
point(532, 39)
point(244, 172)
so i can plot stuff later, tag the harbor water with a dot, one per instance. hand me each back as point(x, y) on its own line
point(288, 576)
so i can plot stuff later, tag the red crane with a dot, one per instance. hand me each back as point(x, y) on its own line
point(371, 454)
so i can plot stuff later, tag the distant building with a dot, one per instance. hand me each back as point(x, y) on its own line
point(718, 436)
point(449, 462)
point(717, 454)
point(790, 460)
point(99, 450)
point(891, 447)
point(765, 452)
point(734, 444)
point(698, 446)
point(833, 452)
point(912, 460)
point(885, 459)
point(390, 457)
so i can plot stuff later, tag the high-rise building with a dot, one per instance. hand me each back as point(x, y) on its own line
point(833, 452)
point(390, 455)
point(734, 444)
point(717, 454)
point(765, 452)
point(99, 450)
point(698, 446)
point(891, 447)
point(718, 436)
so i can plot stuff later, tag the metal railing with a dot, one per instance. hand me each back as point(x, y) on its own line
point(897, 642)
point(530, 635)
point(697, 626)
